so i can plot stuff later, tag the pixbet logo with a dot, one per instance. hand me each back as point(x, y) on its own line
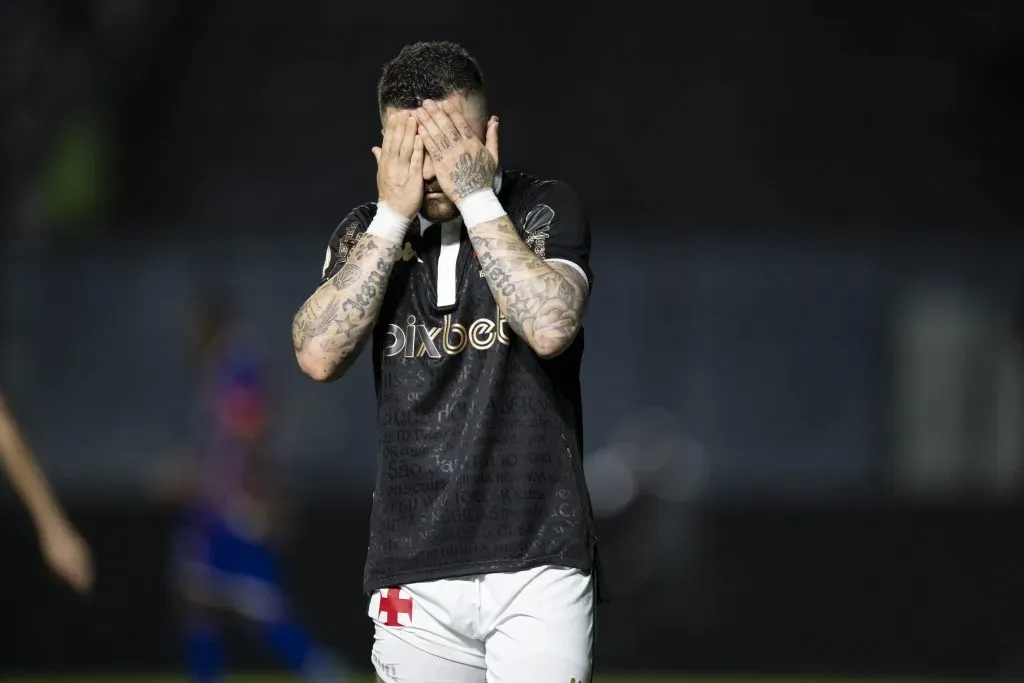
point(416, 340)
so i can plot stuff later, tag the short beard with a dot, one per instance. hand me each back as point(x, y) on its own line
point(439, 210)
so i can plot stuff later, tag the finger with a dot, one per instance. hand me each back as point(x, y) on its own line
point(443, 121)
point(428, 143)
point(437, 137)
point(376, 153)
point(389, 134)
point(492, 138)
point(416, 162)
point(398, 136)
point(458, 120)
point(408, 139)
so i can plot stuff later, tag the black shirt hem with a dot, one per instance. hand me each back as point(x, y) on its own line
point(487, 567)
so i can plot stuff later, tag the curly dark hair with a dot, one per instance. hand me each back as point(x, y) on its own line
point(428, 70)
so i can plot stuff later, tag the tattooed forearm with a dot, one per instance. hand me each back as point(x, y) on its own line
point(348, 276)
point(331, 327)
point(542, 302)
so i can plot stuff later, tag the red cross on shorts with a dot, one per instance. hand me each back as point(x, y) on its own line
point(392, 605)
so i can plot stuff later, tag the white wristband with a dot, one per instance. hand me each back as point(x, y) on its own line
point(388, 224)
point(480, 207)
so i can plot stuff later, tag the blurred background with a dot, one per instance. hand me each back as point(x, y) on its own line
point(804, 376)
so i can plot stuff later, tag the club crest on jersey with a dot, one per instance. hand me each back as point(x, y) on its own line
point(348, 241)
point(408, 253)
point(537, 227)
point(450, 338)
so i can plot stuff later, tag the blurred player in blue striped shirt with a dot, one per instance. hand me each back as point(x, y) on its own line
point(222, 550)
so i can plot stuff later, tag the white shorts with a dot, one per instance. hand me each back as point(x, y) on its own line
point(535, 625)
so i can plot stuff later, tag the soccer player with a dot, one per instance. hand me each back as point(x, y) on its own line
point(223, 550)
point(469, 283)
point(64, 550)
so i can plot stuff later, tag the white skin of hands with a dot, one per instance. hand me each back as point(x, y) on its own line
point(400, 166)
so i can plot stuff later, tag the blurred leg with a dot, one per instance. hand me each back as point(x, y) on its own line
point(203, 648)
point(204, 656)
point(254, 585)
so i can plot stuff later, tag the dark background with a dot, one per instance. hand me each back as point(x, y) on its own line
point(804, 380)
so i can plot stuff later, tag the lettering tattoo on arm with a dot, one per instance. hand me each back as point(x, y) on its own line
point(331, 326)
point(542, 302)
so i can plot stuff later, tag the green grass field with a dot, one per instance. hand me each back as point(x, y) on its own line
point(597, 679)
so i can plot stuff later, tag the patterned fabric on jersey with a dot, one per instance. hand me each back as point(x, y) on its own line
point(480, 439)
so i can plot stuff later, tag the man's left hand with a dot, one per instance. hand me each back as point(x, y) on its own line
point(463, 163)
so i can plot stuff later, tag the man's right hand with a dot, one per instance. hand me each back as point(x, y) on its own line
point(400, 165)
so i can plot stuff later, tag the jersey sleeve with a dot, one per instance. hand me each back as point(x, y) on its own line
point(344, 239)
point(557, 228)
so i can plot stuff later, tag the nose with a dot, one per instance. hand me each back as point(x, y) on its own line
point(428, 169)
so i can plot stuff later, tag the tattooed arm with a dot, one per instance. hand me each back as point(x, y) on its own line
point(543, 290)
point(542, 301)
point(331, 328)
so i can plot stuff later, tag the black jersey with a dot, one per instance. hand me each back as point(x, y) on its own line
point(480, 439)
